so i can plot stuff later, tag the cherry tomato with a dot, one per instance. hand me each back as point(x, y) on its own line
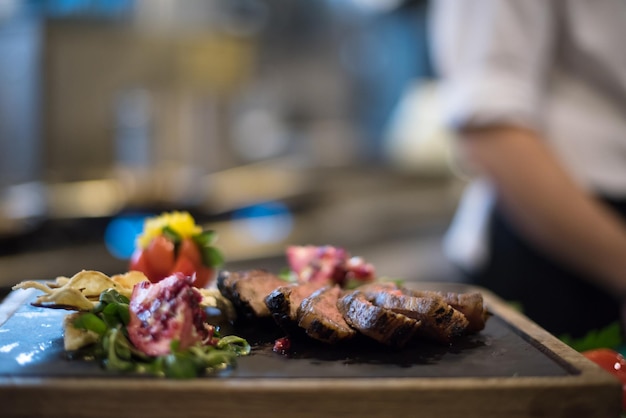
point(160, 257)
point(611, 361)
point(606, 358)
point(186, 266)
point(138, 262)
point(204, 276)
point(189, 249)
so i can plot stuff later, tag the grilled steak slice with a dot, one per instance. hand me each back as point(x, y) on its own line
point(248, 289)
point(440, 321)
point(381, 324)
point(284, 301)
point(320, 318)
point(469, 304)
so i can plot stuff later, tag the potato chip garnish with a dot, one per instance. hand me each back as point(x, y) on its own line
point(75, 338)
point(82, 291)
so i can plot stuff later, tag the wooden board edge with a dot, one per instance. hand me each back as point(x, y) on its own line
point(450, 398)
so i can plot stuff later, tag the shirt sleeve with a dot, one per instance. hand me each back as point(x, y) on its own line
point(492, 57)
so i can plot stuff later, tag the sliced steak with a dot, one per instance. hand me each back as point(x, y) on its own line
point(469, 304)
point(472, 306)
point(381, 324)
point(319, 317)
point(284, 301)
point(248, 289)
point(440, 321)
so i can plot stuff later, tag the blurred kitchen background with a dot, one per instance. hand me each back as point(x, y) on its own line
point(274, 122)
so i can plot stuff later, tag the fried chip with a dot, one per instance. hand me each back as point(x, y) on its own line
point(82, 291)
point(76, 338)
point(127, 281)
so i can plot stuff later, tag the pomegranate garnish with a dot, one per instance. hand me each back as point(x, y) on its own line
point(167, 311)
point(282, 345)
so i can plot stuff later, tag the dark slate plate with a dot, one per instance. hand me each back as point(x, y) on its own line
point(31, 345)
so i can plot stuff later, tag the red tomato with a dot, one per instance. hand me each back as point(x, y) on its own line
point(611, 361)
point(160, 260)
point(138, 262)
point(186, 266)
point(160, 257)
point(608, 359)
point(204, 276)
point(189, 249)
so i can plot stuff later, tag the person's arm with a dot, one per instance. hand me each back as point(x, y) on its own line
point(546, 205)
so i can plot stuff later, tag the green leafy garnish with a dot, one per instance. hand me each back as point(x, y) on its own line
point(211, 256)
point(234, 344)
point(288, 275)
point(171, 234)
point(205, 238)
point(397, 281)
point(111, 296)
point(91, 322)
point(115, 352)
point(607, 337)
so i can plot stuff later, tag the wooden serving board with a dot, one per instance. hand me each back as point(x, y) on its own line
point(513, 368)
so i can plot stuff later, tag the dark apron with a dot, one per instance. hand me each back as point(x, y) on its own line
point(556, 297)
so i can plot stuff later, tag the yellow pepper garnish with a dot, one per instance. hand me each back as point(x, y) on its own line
point(180, 222)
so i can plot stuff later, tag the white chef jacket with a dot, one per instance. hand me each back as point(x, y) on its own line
point(556, 66)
